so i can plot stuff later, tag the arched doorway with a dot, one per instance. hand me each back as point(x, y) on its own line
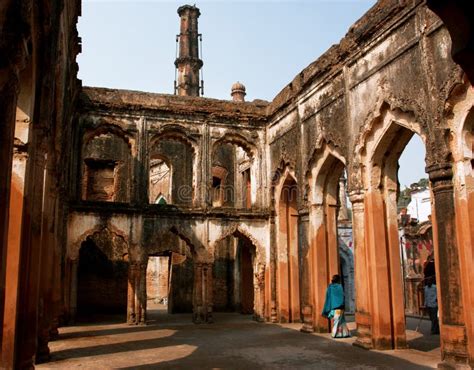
point(233, 279)
point(288, 290)
point(102, 277)
point(329, 213)
point(170, 275)
point(384, 270)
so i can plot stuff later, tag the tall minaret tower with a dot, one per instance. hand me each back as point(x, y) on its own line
point(187, 62)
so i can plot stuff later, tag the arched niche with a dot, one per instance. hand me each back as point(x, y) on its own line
point(106, 167)
point(232, 180)
point(177, 155)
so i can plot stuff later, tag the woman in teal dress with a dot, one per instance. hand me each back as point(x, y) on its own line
point(334, 308)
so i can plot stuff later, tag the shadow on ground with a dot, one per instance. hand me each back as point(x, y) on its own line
point(233, 342)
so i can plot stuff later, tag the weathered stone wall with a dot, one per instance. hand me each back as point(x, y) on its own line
point(354, 109)
point(38, 89)
point(389, 78)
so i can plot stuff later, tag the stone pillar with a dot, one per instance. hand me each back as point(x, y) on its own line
point(362, 315)
point(396, 278)
point(13, 257)
point(208, 288)
point(131, 315)
point(259, 293)
point(273, 315)
point(332, 242)
point(30, 256)
point(198, 315)
point(202, 303)
point(450, 299)
point(306, 274)
point(142, 298)
point(136, 295)
point(57, 283)
point(74, 264)
point(319, 266)
point(464, 200)
point(294, 266)
point(387, 324)
point(47, 265)
point(9, 95)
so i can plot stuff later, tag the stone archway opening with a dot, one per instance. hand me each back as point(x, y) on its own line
point(233, 277)
point(102, 281)
point(170, 278)
point(157, 282)
point(171, 171)
point(331, 249)
point(399, 239)
point(288, 289)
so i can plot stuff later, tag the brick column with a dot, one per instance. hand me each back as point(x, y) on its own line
point(450, 300)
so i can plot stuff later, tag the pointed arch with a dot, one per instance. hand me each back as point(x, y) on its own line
point(183, 155)
point(382, 142)
point(110, 128)
point(239, 140)
point(240, 230)
point(175, 132)
point(75, 245)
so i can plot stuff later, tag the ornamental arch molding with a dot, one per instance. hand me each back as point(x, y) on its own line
point(75, 245)
point(383, 140)
point(239, 230)
point(239, 140)
point(283, 171)
point(175, 132)
point(325, 161)
point(107, 128)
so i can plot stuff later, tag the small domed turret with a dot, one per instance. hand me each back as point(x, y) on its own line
point(238, 92)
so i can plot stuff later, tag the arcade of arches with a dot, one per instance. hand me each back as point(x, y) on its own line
point(231, 205)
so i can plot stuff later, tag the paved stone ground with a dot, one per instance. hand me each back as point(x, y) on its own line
point(233, 342)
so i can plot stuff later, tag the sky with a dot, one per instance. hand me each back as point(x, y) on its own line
point(263, 44)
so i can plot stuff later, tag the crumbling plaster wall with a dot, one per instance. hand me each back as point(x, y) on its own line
point(392, 71)
point(400, 63)
point(187, 134)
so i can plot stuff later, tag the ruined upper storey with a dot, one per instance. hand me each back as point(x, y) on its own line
point(94, 98)
point(143, 149)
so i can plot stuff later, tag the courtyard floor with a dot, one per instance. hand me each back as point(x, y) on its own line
point(234, 341)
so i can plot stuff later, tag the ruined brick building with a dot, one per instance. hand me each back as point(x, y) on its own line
point(243, 196)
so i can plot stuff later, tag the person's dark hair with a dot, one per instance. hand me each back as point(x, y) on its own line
point(336, 279)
